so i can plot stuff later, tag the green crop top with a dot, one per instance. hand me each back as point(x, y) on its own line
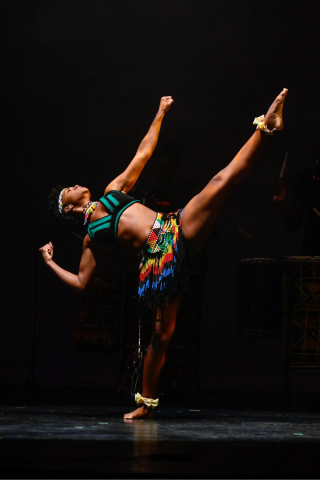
point(105, 229)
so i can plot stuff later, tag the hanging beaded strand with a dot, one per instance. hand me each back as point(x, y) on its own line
point(88, 210)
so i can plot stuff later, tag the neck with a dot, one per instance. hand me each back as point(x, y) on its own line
point(78, 209)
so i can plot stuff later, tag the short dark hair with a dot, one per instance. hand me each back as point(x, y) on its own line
point(68, 221)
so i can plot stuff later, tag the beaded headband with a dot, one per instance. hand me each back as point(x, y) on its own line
point(60, 202)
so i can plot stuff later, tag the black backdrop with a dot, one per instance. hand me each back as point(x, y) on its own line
point(82, 83)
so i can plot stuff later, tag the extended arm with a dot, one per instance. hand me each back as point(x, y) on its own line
point(128, 178)
point(87, 266)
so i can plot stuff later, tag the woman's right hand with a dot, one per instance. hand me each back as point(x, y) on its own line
point(165, 104)
point(280, 191)
point(47, 252)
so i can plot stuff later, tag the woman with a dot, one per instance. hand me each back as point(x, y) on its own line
point(164, 240)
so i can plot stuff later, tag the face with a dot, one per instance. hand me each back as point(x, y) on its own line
point(74, 197)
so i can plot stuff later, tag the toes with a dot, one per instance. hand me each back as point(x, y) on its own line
point(283, 93)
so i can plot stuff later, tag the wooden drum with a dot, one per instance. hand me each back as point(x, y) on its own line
point(301, 310)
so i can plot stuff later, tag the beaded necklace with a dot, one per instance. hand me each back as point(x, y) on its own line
point(88, 210)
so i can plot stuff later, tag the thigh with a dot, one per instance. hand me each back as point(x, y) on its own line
point(202, 212)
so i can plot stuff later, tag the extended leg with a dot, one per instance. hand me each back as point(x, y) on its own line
point(164, 325)
point(203, 210)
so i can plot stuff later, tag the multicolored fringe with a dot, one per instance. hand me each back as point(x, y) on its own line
point(163, 270)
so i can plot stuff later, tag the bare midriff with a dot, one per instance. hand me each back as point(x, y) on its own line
point(134, 226)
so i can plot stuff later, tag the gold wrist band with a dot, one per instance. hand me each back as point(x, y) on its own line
point(149, 402)
point(259, 121)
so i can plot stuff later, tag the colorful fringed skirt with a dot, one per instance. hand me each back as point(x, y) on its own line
point(163, 270)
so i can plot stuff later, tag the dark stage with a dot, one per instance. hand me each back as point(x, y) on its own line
point(95, 442)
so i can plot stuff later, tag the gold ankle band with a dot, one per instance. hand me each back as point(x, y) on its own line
point(259, 121)
point(149, 402)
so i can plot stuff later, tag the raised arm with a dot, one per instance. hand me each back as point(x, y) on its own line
point(87, 266)
point(128, 178)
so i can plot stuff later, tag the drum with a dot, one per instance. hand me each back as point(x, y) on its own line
point(301, 310)
point(259, 298)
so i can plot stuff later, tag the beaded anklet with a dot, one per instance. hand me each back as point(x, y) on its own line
point(149, 402)
point(259, 121)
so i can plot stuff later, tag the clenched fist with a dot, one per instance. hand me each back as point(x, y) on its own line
point(165, 104)
point(47, 252)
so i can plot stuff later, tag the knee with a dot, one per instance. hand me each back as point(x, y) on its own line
point(161, 340)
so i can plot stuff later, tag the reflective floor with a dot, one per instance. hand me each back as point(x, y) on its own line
point(95, 442)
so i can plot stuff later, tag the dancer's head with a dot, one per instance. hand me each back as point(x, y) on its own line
point(67, 204)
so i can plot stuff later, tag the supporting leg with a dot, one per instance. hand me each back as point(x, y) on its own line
point(164, 325)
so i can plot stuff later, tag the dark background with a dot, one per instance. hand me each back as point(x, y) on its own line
point(81, 84)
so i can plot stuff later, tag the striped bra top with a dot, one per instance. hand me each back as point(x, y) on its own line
point(105, 230)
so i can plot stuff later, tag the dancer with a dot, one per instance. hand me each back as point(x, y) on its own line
point(165, 241)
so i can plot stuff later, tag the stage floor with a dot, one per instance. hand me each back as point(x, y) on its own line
point(95, 442)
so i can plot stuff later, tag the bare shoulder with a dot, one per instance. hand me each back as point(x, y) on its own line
point(87, 243)
point(90, 249)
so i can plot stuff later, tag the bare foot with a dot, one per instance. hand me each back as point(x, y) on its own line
point(140, 412)
point(273, 118)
